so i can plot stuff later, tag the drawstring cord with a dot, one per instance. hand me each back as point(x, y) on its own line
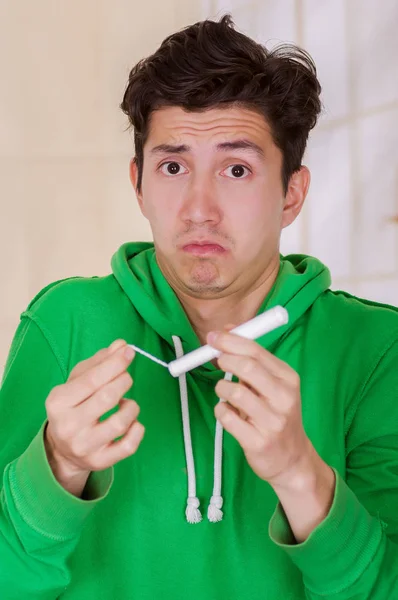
point(214, 512)
point(192, 511)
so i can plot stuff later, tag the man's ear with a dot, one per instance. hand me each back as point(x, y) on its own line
point(296, 193)
point(133, 172)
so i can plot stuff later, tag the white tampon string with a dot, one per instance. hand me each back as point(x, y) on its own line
point(256, 327)
point(157, 360)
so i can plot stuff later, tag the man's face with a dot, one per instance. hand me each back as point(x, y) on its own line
point(213, 177)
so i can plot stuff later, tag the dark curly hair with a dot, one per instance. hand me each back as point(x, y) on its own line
point(210, 64)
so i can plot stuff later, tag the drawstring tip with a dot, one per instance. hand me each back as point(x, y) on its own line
point(214, 512)
point(192, 511)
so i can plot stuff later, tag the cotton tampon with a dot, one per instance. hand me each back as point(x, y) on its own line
point(252, 329)
point(256, 327)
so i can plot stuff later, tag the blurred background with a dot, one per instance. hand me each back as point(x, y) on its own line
point(66, 203)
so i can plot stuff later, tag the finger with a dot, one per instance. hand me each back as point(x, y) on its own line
point(247, 435)
point(241, 413)
point(258, 411)
point(228, 327)
point(98, 357)
point(104, 399)
point(93, 439)
point(219, 392)
point(249, 371)
point(240, 397)
point(121, 449)
point(232, 343)
point(76, 391)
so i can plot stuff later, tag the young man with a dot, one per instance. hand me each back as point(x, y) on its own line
point(300, 499)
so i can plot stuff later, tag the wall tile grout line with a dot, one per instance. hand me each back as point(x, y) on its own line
point(353, 146)
point(299, 23)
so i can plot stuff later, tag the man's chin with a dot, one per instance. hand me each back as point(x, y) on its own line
point(205, 287)
point(200, 277)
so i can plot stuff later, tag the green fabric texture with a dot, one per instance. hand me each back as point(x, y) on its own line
point(131, 540)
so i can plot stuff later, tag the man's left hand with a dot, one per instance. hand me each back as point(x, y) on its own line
point(263, 410)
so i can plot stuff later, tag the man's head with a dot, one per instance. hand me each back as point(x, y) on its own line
point(220, 128)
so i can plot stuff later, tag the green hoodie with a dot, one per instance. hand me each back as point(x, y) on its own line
point(130, 539)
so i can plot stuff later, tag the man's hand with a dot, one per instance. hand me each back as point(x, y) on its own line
point(263, 412)
point(269, 427)
point(76, 441)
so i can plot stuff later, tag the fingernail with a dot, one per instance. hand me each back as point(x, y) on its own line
point(129, 353)
point(116, 344)
point(212, 337)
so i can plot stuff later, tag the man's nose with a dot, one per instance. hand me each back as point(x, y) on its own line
point(200, 202)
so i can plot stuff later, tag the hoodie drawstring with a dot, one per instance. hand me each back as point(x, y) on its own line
point(192, 512)
point(214, 512)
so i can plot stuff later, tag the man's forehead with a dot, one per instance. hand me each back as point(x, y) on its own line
point(173, 125)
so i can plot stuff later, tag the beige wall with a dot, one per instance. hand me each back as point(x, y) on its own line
point(66, 202)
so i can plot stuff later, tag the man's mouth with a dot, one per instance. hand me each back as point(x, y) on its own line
point(202, 248)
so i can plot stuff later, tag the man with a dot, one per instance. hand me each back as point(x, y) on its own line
point(300, 498)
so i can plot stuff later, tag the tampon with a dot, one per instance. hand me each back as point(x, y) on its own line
point(252, 329)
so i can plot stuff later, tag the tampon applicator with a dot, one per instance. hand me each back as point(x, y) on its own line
point(252, 329)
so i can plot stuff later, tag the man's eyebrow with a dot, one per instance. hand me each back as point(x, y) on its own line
point(224, 146)
point(170, 149)
point(242, 145)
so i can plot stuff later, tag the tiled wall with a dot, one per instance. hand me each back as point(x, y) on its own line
point(353, 152)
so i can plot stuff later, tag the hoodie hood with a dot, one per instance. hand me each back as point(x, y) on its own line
point(300, 281)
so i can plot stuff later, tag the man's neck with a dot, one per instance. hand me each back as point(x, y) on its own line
point(210, 315)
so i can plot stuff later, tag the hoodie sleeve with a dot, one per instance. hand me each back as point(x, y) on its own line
point(40, 522)
point(353, 553)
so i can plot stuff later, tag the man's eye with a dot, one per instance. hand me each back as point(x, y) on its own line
point(171, 168)
point(238, 171)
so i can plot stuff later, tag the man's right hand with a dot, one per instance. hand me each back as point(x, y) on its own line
point(76, 441)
